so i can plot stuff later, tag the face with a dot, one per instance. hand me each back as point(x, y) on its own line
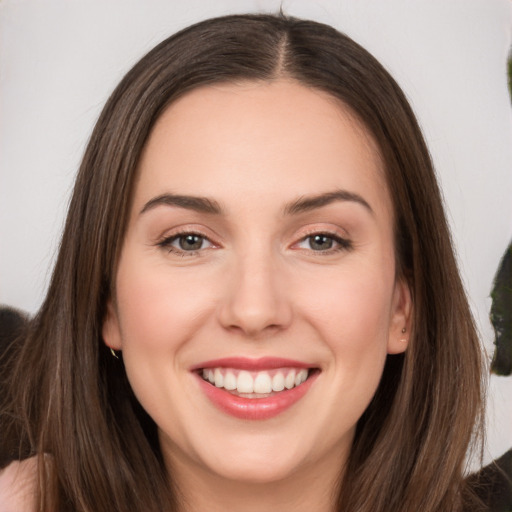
point(256, 296)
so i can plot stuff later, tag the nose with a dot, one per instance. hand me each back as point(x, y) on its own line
point(256, 299)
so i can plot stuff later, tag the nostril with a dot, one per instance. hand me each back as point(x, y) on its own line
point(255, 305)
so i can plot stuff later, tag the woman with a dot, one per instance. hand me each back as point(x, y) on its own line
point(255, 304)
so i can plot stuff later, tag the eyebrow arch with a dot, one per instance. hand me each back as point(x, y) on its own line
point(308, 203)
point(198, 204)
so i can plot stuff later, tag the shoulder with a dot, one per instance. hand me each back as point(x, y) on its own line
point(18, 484)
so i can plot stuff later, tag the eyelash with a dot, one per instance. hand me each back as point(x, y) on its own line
point(342, 244)
point(166, 243)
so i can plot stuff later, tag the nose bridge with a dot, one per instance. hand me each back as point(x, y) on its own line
point(255, 298)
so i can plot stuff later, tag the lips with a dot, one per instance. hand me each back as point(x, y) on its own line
point(254, 389)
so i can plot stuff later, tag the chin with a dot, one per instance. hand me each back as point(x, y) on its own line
point(257, 470)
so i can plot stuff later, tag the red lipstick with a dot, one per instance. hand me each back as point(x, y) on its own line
point(244, 363)
point(255, 408)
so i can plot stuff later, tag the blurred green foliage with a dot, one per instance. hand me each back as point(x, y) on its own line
point(501, 316)
point(501, 309)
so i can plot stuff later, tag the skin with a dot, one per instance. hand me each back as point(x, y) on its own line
point(258, 287)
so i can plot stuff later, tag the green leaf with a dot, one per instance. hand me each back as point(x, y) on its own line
point(501, 316)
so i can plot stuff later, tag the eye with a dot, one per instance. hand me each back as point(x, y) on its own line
point(186, 243)
point(324, 242)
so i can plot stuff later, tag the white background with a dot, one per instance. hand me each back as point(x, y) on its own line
point(60, 59)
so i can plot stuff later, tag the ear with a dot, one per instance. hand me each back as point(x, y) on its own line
point(110, 330)
point(400, 324)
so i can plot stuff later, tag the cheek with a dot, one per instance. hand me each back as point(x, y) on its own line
point(352, 307)
point(353, 316)
point(160, 309)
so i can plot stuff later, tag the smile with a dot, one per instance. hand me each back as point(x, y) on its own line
point(255, 389)
point(255, 384)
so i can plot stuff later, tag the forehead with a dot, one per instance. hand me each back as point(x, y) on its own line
point(263, 138)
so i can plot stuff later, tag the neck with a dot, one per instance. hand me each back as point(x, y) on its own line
point(314, 488)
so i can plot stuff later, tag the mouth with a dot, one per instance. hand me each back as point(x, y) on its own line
point(255, 389)
point(255, 384)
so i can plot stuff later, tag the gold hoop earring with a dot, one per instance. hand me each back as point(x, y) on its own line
point(113, 352)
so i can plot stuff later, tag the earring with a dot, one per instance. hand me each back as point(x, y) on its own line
point(404, 339)
point(113, 352)
point(404, 330)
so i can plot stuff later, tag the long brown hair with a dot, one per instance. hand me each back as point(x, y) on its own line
point(70, 402)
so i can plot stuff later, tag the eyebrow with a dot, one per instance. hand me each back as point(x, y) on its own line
point(308, 203)
point(210, 206)
point(198, 204)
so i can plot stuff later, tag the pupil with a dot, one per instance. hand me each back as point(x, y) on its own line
point(191, 242)
point(321, 242)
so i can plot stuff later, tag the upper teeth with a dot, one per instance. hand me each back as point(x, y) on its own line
point(255, 382)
